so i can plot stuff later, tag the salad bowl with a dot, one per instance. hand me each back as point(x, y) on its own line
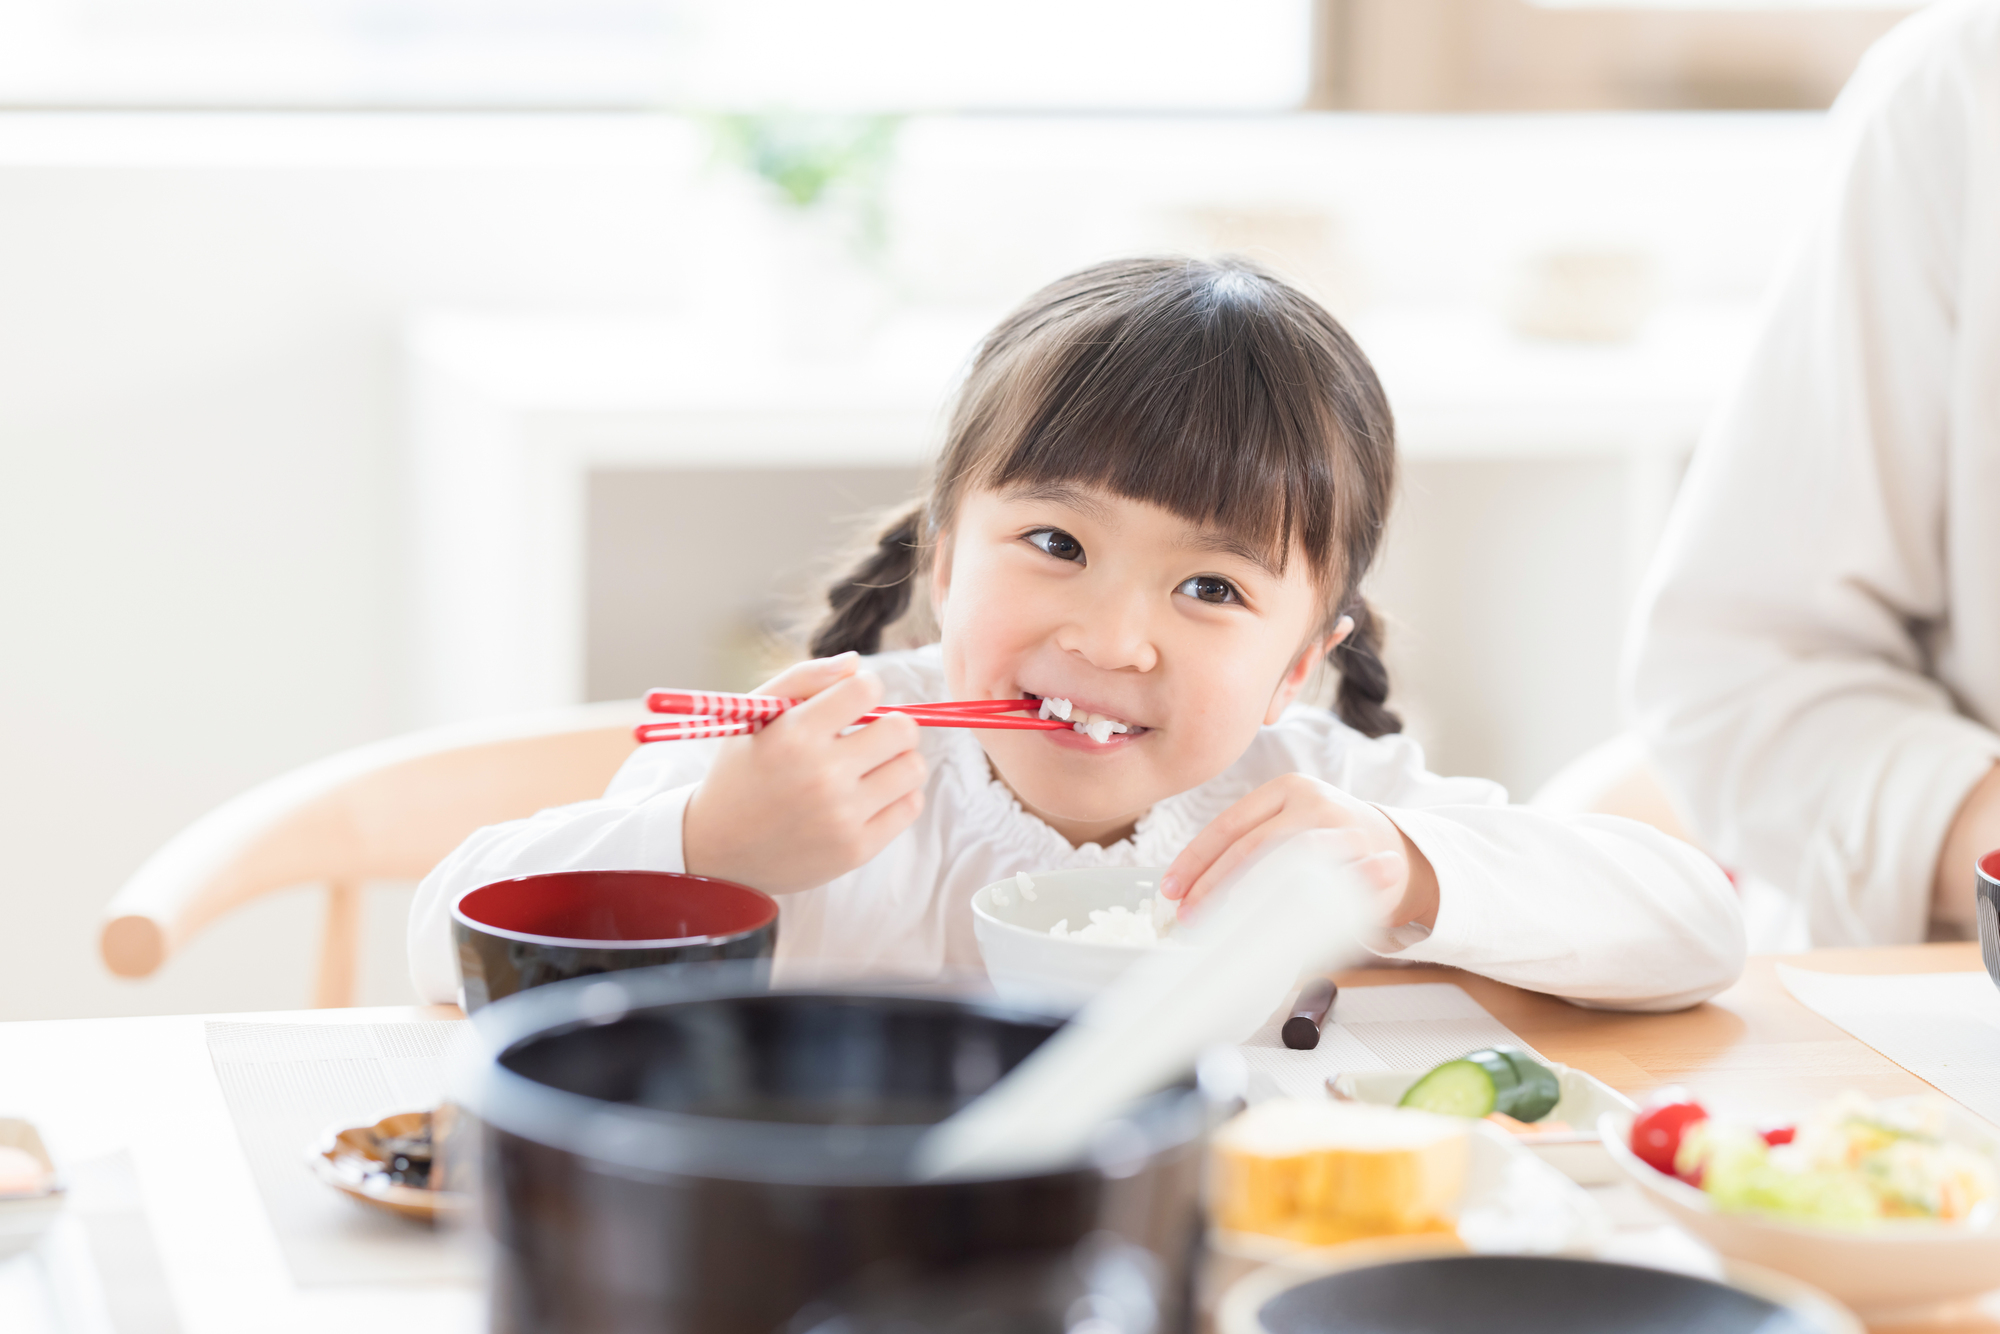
point(1888, 1267)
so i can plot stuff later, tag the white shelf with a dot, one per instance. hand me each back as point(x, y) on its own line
point(510, 414)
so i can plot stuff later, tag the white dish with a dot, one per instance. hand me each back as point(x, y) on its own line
point(1237, 1312)
point(23, 1218)
point(1029, 965)
point(1894, 1267)
point(1578, 1153)
point(1513, 1204)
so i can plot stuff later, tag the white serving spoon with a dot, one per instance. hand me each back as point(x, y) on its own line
point(1298, 907)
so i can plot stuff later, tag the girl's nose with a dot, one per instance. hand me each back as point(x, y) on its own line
point(1111, 634)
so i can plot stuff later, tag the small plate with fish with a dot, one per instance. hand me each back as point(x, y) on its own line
point(394, 1165)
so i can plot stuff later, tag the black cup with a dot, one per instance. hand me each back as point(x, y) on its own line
point(1988, 909)
point(668, 1153)
point(515, 934)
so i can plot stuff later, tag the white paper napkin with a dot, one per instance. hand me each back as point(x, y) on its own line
point(1943, 1028)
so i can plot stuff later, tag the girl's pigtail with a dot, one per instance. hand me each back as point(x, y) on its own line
point(1363, 696)
point(874, 594)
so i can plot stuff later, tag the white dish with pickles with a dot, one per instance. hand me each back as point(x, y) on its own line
point(1552, 1110)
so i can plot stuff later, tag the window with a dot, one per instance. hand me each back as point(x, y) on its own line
point(870, 55)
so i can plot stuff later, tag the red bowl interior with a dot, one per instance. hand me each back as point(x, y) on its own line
point(1989, 865)
point(617, 907)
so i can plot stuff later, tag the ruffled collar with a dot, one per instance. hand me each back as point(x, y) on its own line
point(992, 813)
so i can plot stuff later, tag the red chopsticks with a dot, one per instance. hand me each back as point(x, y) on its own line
point(715, 713)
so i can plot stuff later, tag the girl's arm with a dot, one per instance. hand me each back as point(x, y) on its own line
point(797, 804)
point(1596, 909)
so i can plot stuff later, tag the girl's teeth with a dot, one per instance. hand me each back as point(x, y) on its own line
point(1097, 727)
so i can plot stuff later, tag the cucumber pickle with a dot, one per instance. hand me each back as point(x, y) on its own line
point(1493, 1079)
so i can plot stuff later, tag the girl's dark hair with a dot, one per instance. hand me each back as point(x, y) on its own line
point(1211, 389)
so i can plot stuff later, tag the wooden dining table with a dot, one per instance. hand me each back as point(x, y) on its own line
point(1751, 1052)
point(147, 1088)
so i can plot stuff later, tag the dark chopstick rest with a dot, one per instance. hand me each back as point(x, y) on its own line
point(1301, 1031)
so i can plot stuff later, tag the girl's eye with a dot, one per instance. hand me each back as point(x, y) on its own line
point(1208, 588)
point(1057, 543)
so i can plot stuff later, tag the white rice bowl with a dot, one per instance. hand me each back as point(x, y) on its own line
point(1028, 964)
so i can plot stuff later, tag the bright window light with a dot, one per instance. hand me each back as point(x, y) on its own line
point(854, 55)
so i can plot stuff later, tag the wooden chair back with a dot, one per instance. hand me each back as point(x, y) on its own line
point(387, 811)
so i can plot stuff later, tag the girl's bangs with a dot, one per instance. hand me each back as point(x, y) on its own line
point(1207, 416)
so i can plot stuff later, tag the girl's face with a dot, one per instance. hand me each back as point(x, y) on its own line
point(1131, 613)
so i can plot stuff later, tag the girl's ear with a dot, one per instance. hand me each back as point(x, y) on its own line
point(1301, 670)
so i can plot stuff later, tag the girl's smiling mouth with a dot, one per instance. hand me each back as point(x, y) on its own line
point(1101, 728)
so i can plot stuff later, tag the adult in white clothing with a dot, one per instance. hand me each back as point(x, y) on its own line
point(1817, 660)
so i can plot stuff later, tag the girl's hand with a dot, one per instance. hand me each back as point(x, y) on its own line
point(798, 804)
point(1399, 875)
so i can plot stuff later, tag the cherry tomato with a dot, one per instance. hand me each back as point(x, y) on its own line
point(1656, 1133)
point(1779, 1134)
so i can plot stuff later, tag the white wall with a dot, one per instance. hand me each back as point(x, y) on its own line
point(199, 432)
point(200, 523)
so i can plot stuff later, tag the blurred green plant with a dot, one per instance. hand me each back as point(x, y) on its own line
point(815, 163)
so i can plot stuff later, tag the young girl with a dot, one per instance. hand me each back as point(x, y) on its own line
point(1163, 483)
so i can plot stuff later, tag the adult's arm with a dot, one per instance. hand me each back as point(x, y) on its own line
point(1782, 670)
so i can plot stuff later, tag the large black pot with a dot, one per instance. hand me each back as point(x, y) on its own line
point(671, 1151)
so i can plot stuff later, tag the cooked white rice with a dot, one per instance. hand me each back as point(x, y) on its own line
point(1139, 928)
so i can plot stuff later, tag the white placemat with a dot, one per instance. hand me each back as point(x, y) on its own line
point(286, 1085)
point(1944, 1028)
point(1410, 1027)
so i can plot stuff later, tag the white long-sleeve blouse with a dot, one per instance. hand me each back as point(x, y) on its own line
point(1601, 910)
point(1817, 663)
